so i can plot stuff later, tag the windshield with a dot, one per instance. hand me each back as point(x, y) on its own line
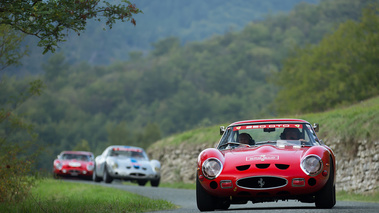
point(128, 152)
point(76, 157)
point(277, 134)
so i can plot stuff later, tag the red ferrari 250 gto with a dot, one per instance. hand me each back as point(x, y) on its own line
point(74, 164)
point(264, 161)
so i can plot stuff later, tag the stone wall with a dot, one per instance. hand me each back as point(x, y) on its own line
point(357, 164)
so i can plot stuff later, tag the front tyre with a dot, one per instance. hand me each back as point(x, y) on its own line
point(94, 176)
point(326, 197)
point(205, 201)
point(107, 178)
point(141, 182)
point(155, 183)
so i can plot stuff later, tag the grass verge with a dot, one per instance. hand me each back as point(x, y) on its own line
point(58, 196)
point(349, 196)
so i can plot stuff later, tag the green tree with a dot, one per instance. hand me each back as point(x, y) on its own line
point(10, 47)
point(341, 69)
point(51, 20)
point(83, 145)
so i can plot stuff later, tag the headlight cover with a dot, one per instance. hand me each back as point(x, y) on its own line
point(312, 165)
point(59, 165)
point(90, 167)
point(113, 164)
point(212, 168)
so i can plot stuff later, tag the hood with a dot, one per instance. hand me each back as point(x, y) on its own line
point(128, 160)
point(74, 163)
point(264, 154)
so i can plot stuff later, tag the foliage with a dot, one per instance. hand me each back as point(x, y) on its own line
point(189, 20)
point(341, 69)
point(10, 47)
point(51, 20)
point(61, 196)
point(17, 143)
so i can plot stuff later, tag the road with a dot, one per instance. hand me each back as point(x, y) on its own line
point(186, 199)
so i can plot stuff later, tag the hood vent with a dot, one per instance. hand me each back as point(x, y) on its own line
point(282, 166)
point(243, 167)
point(262, 165)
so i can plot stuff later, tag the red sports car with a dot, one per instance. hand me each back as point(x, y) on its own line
point(266, 161)
point(74, 164)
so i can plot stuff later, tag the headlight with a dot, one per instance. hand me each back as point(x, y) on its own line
point(113, 165)
point(157, 169)
point(89, 167)
point(312, 165)
point(212, 167)
point(59, 165)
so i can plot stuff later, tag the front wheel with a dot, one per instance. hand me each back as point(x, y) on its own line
point(94, 176)
point(326, 197)
point(155, 183)
point(205, 201)
point(142, 182)
point(107, 178)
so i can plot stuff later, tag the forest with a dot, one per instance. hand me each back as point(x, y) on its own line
point(188, 21)
point(314, 58)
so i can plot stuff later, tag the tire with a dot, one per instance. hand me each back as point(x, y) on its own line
point(106, 177)
point(155, 183)
point(326, 197)
point(205, 201)
point(94, 176)
point(222, 205)
point(142, 182)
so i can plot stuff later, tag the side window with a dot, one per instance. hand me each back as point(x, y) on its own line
point(313, 137)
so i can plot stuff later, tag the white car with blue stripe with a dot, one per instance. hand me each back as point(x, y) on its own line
point(128, 163)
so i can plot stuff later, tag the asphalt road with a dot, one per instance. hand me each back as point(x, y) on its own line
point(186, 199)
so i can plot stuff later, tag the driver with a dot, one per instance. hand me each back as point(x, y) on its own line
point(245, 138)
point(290, 134)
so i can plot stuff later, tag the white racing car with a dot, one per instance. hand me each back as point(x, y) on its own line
point(126, 163)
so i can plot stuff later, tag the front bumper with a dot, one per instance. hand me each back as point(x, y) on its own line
point(73, 172)
point(133, 174)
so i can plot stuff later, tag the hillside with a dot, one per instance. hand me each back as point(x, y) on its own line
point(189, 21)
point(356, 122)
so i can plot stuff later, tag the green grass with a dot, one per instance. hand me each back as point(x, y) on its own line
point(349, 196)
point(178, 185)
point(59, 196)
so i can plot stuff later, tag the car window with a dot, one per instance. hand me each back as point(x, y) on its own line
point(78, 157)
point(126, 152)
point(276, 134)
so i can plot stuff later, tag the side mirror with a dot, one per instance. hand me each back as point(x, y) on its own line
point(316, 127)
point(222, 130)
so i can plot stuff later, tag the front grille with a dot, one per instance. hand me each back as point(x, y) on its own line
point(137, 174)
point(262, 182)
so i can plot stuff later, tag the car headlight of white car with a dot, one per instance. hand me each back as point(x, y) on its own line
point(212, 168)
point(312, 165)
point(113, 164)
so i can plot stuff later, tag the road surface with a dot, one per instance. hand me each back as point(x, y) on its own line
point(186, 199)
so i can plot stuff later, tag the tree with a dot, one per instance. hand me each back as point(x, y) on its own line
point(10, 51)
point(341, 69)
point(51, 20)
